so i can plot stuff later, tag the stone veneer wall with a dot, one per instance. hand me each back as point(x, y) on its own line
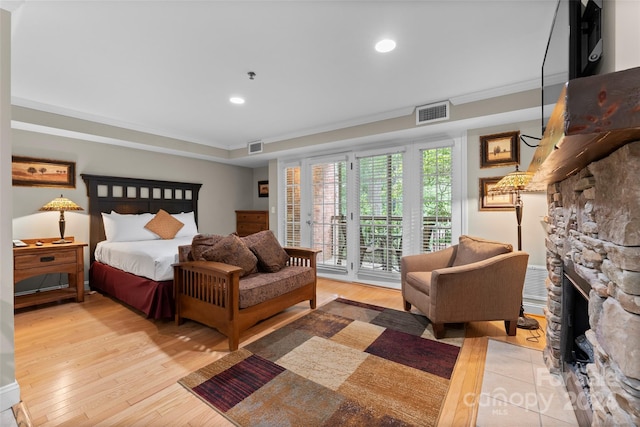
point(594, 220)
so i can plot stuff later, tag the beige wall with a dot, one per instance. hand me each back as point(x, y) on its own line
point(273, 196)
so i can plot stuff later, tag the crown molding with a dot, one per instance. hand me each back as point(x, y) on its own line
point(75, 114)
point(495, 92)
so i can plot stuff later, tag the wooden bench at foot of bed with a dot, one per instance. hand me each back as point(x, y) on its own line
point(212, 293)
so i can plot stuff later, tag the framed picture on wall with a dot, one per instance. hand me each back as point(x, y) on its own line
point(263, 188)
point(500, 149)
point(33, 172)
point(494, 202)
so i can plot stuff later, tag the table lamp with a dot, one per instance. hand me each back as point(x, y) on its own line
point(61, 204)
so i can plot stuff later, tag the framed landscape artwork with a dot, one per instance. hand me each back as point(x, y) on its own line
point(33, 172)
point(501, 149)
point(263, 188)
point(494, 202)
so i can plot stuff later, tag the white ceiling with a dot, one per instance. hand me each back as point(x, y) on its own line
point(169, 67)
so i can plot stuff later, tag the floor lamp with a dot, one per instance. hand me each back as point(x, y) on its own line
point(515, 183)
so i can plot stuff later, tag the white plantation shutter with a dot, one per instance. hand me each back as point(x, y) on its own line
point(292, 206)
point(380, 212)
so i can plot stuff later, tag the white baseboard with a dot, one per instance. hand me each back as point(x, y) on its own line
point(9, 395)
point(533, 307)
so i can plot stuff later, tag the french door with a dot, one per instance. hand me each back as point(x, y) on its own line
point(329, 212)
point(365, 210)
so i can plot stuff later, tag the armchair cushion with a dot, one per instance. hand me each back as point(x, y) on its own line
point(420, 280)
point(473, 249)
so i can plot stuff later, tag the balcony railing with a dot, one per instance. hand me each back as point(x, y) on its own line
point(381, 240)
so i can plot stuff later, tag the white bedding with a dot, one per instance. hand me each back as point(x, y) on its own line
point(148, 258)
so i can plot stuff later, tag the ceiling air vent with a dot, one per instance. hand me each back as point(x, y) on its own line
point(432, 113)
point(254, 147)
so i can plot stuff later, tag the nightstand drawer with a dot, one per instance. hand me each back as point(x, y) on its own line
point(259, 218)
point(44, 258)
point(249, 228)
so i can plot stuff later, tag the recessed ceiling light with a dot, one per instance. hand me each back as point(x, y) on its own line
point(386, 45)
point(236, 100)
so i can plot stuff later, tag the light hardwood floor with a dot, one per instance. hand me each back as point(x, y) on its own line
point(99, 363)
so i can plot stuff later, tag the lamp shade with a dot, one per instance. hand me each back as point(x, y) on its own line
point(513, 182)
point(61, 204)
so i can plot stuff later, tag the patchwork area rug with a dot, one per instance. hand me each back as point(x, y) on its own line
point(345, 363)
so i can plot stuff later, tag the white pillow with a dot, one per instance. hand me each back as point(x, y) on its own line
point(190, 228)
point(127, 228)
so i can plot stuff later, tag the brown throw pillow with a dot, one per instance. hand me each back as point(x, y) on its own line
point(271, 256)
point(473, 249)
point(164, 225)
point(203, 242)
point(231, 250)
point(252, 239)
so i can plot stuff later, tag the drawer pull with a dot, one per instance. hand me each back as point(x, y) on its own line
point(47, 258)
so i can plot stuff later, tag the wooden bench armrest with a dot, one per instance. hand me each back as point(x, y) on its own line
point(302, 256)
point(198, 279)
point(210, 266)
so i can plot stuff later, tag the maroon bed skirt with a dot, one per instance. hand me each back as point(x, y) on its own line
point(155, 299)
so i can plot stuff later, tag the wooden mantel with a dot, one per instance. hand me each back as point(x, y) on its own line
point(594, 117)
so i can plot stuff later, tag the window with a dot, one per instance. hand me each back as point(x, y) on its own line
point(380, 212)
point(436, 198)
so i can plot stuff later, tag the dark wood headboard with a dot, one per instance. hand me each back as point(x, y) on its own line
point(133, 196)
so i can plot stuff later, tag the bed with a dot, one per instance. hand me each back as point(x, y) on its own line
point(137, 273)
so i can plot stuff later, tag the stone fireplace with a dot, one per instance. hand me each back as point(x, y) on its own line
point(593, 259)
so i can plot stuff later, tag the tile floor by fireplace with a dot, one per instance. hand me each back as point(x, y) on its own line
point(517, 389)
point(7, 419)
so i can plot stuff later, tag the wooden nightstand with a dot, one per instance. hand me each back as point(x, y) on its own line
point(32, 260)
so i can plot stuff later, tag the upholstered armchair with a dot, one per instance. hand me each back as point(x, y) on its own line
point(475, 280)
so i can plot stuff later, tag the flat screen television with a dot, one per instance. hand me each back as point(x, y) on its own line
point(573, 50)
